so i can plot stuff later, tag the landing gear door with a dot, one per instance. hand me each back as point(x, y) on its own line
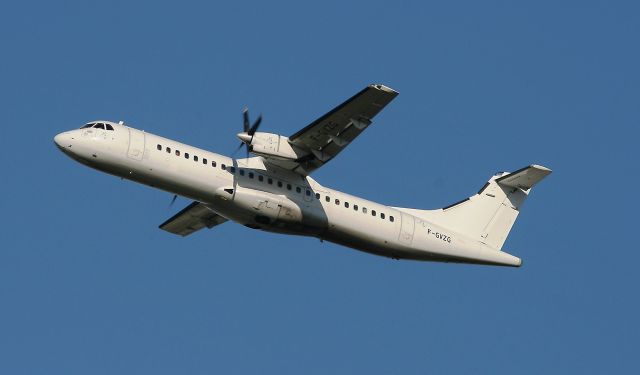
point(406, 229)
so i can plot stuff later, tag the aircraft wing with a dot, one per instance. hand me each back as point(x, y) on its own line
point(324, 138)
point(191, 219)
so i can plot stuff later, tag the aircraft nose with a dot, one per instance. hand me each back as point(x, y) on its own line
point(63, 140)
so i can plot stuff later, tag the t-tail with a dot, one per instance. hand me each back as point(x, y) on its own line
point(489, 215)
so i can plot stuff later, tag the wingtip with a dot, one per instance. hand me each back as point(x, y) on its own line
point(382, 87)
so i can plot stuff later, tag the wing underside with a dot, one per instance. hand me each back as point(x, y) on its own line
point(191, 219)
point(324, 138)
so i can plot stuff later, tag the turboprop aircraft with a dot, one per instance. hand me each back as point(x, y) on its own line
point(273, 191)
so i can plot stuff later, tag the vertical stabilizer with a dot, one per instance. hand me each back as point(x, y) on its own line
point(489, 215)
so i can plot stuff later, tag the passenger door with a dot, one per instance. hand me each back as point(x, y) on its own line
point(136, 144)
point(406, 229)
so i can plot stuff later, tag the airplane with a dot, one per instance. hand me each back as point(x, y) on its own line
point(273, 190)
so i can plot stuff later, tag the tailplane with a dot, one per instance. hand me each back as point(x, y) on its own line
point(489, 215)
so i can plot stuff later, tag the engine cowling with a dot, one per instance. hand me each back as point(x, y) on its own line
point(274, 146)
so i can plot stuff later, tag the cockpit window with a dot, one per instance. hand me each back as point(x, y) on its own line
point(88, 125)
point(99, 126)
point(109, 127)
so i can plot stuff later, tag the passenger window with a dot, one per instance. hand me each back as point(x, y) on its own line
point(317, 195)
point(169, 149)
point(109, 127)
point(232, 169)
point(177, 152)
point(213, 163)
point(224, 167)
point(250, 174)
point(346, 204)
point(159, 147)
point(204, 161)
point(298, 190)
point(327, 198)
point(186, 155)
point(355, 207)
point(270, 181)
point(373, 212)
point(364, 210)
point(242, 172)
point(260, 178)
point(308, 192)
point(391, 219)
point(381, 215)
point(338, 201)
point(288, 186)
point(195, 158)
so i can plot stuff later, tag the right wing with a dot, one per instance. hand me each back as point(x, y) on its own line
point(327, 136)
point(192, 218)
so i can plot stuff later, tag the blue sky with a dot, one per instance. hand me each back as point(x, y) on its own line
point(88, 284)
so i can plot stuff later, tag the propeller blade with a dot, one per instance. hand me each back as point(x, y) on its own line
point(255, 126)
point(238, 149)
point(175, 196)
point(245, 118)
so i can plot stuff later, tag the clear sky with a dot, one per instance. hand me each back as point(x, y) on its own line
point(89, 284)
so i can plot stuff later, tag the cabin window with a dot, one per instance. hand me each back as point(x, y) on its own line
point(391, 219)
point(241, 172)
point(338, 202)
point(232, 169)
point(346, 204)
point(355, 207)
point(169, 150)
point(204, 161)
point(364, 210)
point(250, 174)
point(288, 186)
point(317, 195)
point(270, 181)
point(308, 192)
point(195, 158)
point(381, 215)
point(260, 178)
point(224, 167)
point(159, 147)
point(298, 190)
point(280, 184)
point(213, 163)
point(373, 212)
point(177, 152)
point(186, 155)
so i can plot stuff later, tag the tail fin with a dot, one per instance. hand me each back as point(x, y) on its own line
point(489, 215)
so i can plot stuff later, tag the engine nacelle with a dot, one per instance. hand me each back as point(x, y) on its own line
point(274, 146)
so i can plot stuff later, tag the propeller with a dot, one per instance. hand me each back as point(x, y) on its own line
point(173, 200)
point(248, 130)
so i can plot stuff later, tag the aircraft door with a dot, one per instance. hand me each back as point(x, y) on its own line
point(406, 229)
point(136, 144)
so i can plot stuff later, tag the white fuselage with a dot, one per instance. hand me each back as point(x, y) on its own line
point(270, 198)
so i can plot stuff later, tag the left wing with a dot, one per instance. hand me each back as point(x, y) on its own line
point(192, 218)
point(324, 138)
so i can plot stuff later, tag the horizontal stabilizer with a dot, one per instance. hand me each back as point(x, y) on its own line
point(192, 218)
point(524, 178)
